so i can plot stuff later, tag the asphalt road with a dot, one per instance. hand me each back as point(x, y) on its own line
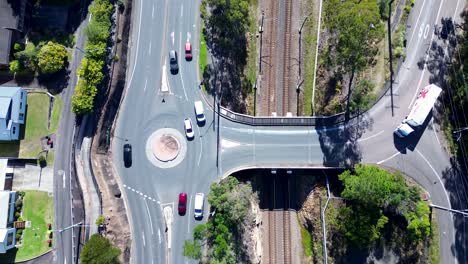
point(66, 193)
point(160, 26)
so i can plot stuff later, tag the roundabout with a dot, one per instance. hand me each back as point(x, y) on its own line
point(166, 148)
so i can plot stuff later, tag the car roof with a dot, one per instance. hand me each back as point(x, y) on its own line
point(183, 196)
point(172, 53)
point(188, 45)
point(188, 122)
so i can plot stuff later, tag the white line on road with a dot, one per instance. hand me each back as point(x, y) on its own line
point(152, 12)
point(149, 50)
point(146, 83)
point(190, 210)
point(172, 37)
point(143, 235)
point(63, 180)
point(181, 11)
point(417, 20)
point(389, 158)
point(136, 53)
point(426, 58)
point(435, 132)
point(183, 86)
point(438, 177)
point(201, 150)
point(149, 216)
point(369, 137)
point(159, 236)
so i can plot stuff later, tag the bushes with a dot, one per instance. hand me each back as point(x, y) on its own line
point(51, 58)
point(91, 69)
point(99, 250)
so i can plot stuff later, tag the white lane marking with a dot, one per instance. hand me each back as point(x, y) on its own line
point(438, 177)
point(369, 137)
point(189, 36)
point(164, 81)
point(182, 11)
point(146, 83)
point(149, 216)
point(201, 151)
point(183, 86)
point(190, 210)
point(229, 144)
point(435, 132)
point(426, 31)
point(136, 53)
point(425, 59)
point(159, 236)
point(63, 179)
point(152, 12)
point(172, 37)
point(143, 235)
point(149, 49)
point(389, 158)
point(417, 20)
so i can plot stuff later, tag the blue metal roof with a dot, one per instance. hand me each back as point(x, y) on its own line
point(4, 106)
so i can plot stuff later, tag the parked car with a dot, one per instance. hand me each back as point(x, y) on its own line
point(127, 155)
point(199, 203)
point(174, 66)
point(188, 128)
point(199, 113)
point(188, 51)
point(182, 208)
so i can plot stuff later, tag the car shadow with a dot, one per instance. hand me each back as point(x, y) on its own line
point(411, 141)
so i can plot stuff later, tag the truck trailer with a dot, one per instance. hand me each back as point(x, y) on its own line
point(421, 109)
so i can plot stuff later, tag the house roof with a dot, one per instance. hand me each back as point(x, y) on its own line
point(4, 214)
point(11, 13)
point(3, 172)
point(4, 106)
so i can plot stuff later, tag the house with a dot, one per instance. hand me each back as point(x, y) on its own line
point(12, 112)
point(7, 217)
point(12, 21)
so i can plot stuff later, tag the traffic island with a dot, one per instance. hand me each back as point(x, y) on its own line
point(166, 148)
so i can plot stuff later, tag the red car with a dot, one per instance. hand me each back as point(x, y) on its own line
point(188, 51)
point(182, 203)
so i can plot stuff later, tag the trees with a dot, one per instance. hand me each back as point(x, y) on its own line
point(99, 250)
point(15, 66)
point(223, 232)
point(362, 96)
point(28, 57)
point(375, 195)
point(91, 69)
point(51, 58)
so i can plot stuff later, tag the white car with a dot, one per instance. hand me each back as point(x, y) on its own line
point(199, 204)
point(188, 128)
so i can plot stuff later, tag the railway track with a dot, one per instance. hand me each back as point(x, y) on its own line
point(278, 221)
point(286, 56)
point(270, 83)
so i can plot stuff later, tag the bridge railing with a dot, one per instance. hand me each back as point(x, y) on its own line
point(282, 121)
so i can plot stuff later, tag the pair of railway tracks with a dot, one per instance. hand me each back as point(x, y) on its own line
point(279, 59)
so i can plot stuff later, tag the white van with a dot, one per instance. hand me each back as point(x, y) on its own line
point(199, 112)
point(199, 201)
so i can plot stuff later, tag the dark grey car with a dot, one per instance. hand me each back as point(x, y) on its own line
point(127, 155)
point(173, 61)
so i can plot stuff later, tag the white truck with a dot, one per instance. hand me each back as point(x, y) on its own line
point(199, 204)
point(421, 109)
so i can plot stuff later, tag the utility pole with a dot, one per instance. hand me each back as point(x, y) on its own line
point(255, 98)
point(260, 30)
point(462, 212)
point(300, 42)
point(390, 52)
point(459, 132)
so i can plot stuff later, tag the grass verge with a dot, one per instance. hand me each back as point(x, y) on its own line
point(306, 241)
point(309, 42)
point(37, 208)
point(203, 55)
point(434, 243)
point(251, 67)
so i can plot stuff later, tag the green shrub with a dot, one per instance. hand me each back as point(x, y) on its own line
point(15, 66)
point(100, 220)
point(51, 58)
point(17, 47)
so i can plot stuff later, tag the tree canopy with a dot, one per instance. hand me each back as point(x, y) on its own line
point(375, 195)
point(358, 28)
point(99, 250)
point(51, 58)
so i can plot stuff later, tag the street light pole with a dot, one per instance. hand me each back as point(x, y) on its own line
point(390, 52)
point(260, 30)
point(255, 98)
point(300, 42)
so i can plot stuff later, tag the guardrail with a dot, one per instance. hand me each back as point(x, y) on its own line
point(282, 121)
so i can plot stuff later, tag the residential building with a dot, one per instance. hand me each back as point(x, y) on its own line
point(12, 112)
point(7, 218)
point(12, 21)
